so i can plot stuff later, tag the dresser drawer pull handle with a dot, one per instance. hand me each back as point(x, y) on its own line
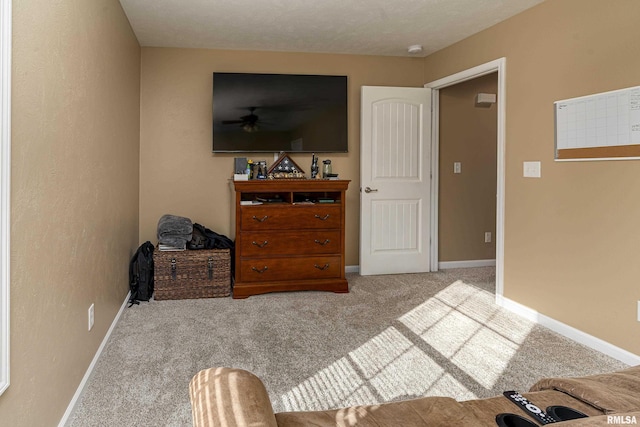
point(173, 268)
point(322, 243)
point(260, 245)
point(210, 265)
point(262, 270)
point(322, 218)
point(263, 219)
point(324, 267)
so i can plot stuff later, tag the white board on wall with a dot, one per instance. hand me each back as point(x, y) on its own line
point(600, 126)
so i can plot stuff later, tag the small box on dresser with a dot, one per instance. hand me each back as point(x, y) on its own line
point(187, 274)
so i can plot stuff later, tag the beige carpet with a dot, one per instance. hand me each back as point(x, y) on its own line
point(392, 337)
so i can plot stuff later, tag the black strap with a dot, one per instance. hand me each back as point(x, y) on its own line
point(528, 407)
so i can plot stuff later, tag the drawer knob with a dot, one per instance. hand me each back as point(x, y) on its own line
point(263, 219)
point(324, 267)
point(262, 270)
point(322, 218)
point(322, 243)
point(260, 245)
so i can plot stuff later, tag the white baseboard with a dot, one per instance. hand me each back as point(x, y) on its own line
point(442, 265)
point(570, 332)
point(466, 264)
point(87, 375)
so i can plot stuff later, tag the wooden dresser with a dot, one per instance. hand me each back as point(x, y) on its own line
point(289, 236)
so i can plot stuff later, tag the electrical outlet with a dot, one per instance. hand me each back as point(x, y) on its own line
point(487, 237)
point(91, 317)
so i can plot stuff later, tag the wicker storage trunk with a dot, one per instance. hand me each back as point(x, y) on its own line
point(186, 274)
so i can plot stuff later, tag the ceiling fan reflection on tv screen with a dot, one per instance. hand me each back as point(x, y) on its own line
point(279, 112)
point(248, 123)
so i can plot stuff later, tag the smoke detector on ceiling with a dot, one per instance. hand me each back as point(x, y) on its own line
point(414, 49)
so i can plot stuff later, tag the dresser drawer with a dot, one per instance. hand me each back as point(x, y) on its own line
point(290, 217)
point(270, 243)
point(290, 268)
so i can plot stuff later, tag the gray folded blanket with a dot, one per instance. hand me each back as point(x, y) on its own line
point(174, 230)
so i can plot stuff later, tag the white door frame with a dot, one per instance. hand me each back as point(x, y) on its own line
point(498, 65)
point(5, 187)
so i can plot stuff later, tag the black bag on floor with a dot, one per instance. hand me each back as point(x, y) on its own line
point(141, 274)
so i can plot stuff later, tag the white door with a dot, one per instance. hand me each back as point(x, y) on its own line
point(395, 180)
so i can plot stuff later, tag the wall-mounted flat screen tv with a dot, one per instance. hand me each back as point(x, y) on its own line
point(279, 112)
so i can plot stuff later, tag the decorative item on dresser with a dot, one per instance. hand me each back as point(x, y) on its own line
point(289, 236)
point(285, 168)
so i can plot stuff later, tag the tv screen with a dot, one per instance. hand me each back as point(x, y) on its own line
point(279, 112)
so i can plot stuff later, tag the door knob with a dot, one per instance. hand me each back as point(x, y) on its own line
point(370, 190)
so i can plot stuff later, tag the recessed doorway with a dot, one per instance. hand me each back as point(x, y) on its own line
point(497, 66)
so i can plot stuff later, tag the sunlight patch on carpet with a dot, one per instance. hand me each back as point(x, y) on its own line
point(329, 387)
point(461, 325)
point(388, 364)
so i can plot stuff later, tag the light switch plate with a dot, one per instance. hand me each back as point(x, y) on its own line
point(457, 167)
point(531, 170)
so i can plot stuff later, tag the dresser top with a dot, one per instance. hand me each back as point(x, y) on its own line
point(292, 185)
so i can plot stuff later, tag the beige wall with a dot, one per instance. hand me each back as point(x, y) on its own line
point(572, 237)
point(467, 201)
point(74, 207)
point(179, 173)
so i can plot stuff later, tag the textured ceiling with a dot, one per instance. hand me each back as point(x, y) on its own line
point(369, 27)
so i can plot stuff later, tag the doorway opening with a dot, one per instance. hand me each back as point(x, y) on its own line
point(497, 66)
point(467, 174)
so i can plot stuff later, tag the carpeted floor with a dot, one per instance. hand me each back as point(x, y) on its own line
point(392, 337)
